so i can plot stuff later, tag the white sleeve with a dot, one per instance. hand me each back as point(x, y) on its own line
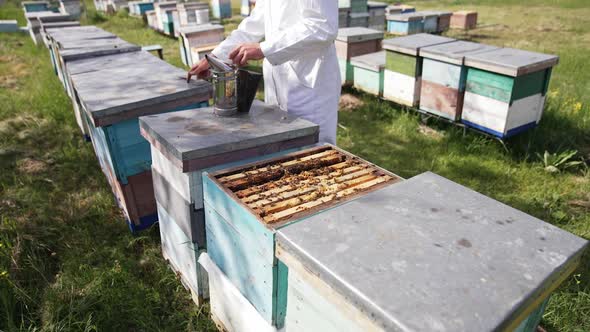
point(316, 30)
point(250, 30)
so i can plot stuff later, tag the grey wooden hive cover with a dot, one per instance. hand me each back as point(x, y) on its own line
point(413, 43)
point(372, 61)
point(199, 133)
point(454, 52)
point(185, 30)
point(358, 34)
point(98, 47)
point(512, 62)
point(107, 61)
point(427, 254)
point(125, 92)
point(406, 17)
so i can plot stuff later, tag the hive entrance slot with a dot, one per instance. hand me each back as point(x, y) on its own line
point(298, 183)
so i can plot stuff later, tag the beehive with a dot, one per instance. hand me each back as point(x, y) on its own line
point(377, 15)
point(9, 26)
point(399, 9)
point(505, 90)
point(425, 254)
point(358, 19)
point(70, 7)
point(168, 21)
point(230, 310)
point(139, 8)
point(405, 24)
point(429, 21)
point(245, 206)
point(444, 75)
point(368, 72)
point(403, 67)
point(343, 13)
point(198, 36)
point(160, 8)
point(198, 53)
point(34, 20)
point(151, 86)
point(186, 12)
point(352, 42)
point(152, 19)
point(356, 6)
point(35, 6)
point(184, 144)
point(221, 8)
point(54, 25)
point(465, 20)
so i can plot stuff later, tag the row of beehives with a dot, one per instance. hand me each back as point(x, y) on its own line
point(40, 13)
point(500, 91)
point(281, 235)
point(430, 22)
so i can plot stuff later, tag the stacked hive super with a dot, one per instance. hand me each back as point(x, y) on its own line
point(112, 83)
point(246, 206)
point(195, 41)
point(352, 42)
point(505, 90)
point(376, 15)
point(403, 67)
point(183, 145)
point(162, 18)
point(187, 12)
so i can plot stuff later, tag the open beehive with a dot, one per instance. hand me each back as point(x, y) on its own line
point(299, 184)
point(245, 206)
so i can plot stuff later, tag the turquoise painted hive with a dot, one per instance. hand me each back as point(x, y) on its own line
point(245, 207)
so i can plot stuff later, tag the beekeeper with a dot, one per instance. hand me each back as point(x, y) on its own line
point(301, 73)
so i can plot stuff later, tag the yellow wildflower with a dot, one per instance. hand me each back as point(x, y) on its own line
point(577, 107)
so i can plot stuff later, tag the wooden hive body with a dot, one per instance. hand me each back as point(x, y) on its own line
point(465, 20)
point(242, 244)
point(406, 257)
point(185, 144)
point(505, 90)
point(201, 37)
point(403, 67)
point(444, 75)
point(353, 42)
point(405, 24)
point(430, 22)
point(369, 72)
point(114, 124)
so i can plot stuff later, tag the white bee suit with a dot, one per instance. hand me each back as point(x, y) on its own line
point(301, 73)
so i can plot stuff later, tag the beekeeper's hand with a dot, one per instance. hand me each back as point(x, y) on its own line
point(246, 52)
point(201, 70)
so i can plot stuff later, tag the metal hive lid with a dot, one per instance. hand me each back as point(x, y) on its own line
point(511, 62)
point(454, 52)
point(428, 254)
point(372, 61)
point(358, 34)
point(413, 43)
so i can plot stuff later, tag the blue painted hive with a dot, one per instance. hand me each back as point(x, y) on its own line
point(113, 95)
point(245, 206)
point(221, 8)
point(35, 6)
point(505, 90)
point(184, 144)
point(405, 24)
point(425, 254)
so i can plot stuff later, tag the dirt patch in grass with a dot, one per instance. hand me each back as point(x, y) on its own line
point(31, 166)
point(430, 132)
point(12, 72)
point(348, 103)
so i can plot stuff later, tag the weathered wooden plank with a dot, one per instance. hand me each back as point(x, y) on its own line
point(228, 305)
point(345, 51)
point(183, 256)
point(406, 255)
point(441, 100)
point(190, 220)
point(491, 85)
point(485, 112)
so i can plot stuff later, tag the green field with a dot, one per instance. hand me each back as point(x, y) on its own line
point(69, 263)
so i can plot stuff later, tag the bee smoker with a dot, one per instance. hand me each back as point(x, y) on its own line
point(234, 89)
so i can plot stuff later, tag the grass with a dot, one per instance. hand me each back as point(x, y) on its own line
point(69, 263)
